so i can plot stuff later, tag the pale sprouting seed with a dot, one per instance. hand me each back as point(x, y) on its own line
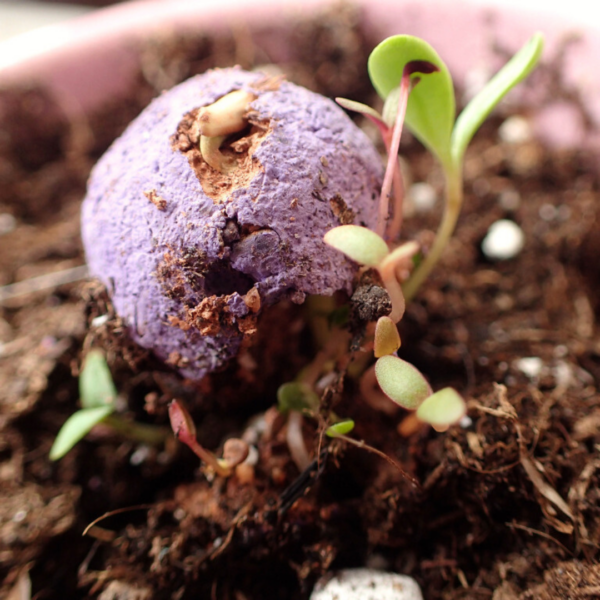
point(225, 116)
point(218, 121)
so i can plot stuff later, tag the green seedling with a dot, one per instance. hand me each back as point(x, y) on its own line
point(442, 409)
point(369, 249)
point(417, 88)
point(297, 396)
point(402, 382)
point(405, 385)
point(341, 428)
point(399, 380)
point(430, 116)
point(98, 404)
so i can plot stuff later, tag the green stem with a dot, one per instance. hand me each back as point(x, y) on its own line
point(138, 432)
point(454, 200)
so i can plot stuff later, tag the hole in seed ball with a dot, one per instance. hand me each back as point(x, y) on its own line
point(222, 280)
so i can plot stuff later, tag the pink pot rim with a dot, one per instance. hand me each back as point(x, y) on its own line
point(94, 57)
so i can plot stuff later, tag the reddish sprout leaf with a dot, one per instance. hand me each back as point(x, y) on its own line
point(182, 423)
point(420, 66)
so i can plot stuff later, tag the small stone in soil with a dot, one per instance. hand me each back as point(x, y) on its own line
point(515, 130)
point(423, 197)
point(504, 240)
point(366, 584)
point(530, 366)
point(7, 223)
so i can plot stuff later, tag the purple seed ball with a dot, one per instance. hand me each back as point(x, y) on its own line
point(190, 256)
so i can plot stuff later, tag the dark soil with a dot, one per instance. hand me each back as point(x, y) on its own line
point(508, 504)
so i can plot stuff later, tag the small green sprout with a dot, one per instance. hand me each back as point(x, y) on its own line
point(399, 380)
point(298, 396)
point(98, 400)
point(442, 409)
point(402, 382)
point(341, 428)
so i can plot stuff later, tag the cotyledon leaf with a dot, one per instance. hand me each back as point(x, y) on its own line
point(431, 106)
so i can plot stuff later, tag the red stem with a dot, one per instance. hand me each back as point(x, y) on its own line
point(392, 163)
point(393, 231)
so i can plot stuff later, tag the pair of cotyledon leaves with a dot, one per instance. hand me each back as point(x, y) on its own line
point(98, 394)
point(431, 109)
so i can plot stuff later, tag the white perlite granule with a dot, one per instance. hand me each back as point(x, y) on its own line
point(366, 584)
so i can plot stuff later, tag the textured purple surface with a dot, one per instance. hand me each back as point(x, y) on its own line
point(267, 234)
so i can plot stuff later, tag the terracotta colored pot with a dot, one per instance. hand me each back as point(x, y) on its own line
point(92, 58)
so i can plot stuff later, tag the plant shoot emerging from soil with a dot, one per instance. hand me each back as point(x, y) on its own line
point(416, 87)
point(235, 451)
point(98, 404)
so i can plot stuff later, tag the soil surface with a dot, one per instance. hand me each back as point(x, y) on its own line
point(507, 503)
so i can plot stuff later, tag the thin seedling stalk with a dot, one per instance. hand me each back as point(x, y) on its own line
point(393, 232)
point(138, 432)
point(454, 200)
point(392, 163)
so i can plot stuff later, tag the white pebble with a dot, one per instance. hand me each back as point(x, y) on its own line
point(530, 366)
point(515, 130)
point(465, 422)
point(101, 320)
point(140, 456)
point(504, 240)
point(423, 196)
point(7, 223)
point(366, 584)
point(547, 212)
point(509, 200)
